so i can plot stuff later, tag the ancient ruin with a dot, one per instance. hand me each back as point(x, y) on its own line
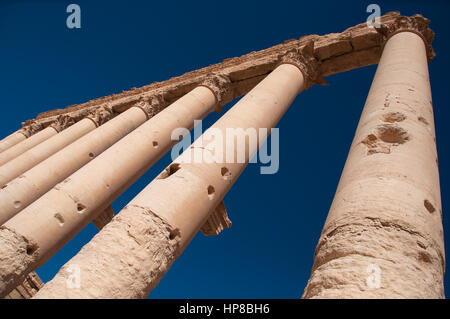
point(63, 170)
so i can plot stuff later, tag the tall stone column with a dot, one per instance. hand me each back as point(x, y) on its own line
point(40, 152)
point(25, 189)
point(383, 237)
point(154, 228)
point(12, 140)
point(51, 221)
point(25, 145)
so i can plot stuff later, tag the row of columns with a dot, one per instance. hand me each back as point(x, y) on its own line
point(161, 220)
point(383, 236)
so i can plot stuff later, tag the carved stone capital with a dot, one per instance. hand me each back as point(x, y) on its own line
point(30, 128)
point(152, 105)
point(304, 59)
point(101, 115)
point(62, 122)
point(416, 24)
point(220, 85)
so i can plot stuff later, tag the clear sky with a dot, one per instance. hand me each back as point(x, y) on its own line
point(277, 219)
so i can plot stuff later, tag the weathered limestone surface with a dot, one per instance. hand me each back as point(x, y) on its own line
point(356, 47)
point(17, 252)
point(103, 218)
point(134, 250)
point(40, 152)
point(28, 288)
point(217, 221)
point(386, 213)
point(26, 144)
point(57, 216)
point(32, 184)
point(131, 254)
point(11, 140)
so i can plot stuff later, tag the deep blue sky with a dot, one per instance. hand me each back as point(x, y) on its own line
point(277, 219)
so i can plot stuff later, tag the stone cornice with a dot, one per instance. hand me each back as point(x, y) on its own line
point(31, 128)
point(304, 59)
point(220, 85)
point(62, 122)
point(101, 115)
point(416, 24)
point(356, 47)
point(151, 105)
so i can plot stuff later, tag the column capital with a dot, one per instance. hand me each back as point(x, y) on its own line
point(304, 59)
point(62, 122)
point(151, 105)
point(220, 85)
point(101, 114)
point(417, 24)
point(30, 128)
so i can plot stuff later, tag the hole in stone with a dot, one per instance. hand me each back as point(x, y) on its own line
point(370, 140)
point(60, 219)
point(31, 249)
point(425, 257)
point(155, 144)
point(180, 138)
point(91, 155)
point(392, 134)
point(173, 234)
point(393, 117)
point(4, 186)
point(80, 207)
point(430, 208)
point(423, 120)
point(17, 204)
point(211, 192)
point(225, 173)
point(169, 171)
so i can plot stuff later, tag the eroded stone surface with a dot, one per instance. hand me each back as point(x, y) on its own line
point(18, 254)
point(145, 245)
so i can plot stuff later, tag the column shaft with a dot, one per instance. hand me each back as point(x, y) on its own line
point(383, 236)
point(11, 140)
point(35, 182)
point(153, 229)
point(26, 144)
point(40, 152)
point(51, 221)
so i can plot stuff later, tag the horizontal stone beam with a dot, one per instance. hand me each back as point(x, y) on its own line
point(356, 47)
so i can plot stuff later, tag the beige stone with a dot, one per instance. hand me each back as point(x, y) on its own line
point(130, 255)
point(383, 237)
point(248, 70)
point(28, 288)
point(35, 182)
point(103, 218)
point(52, 220)
point(26, 144)
point(42, 151)
point(11, 140)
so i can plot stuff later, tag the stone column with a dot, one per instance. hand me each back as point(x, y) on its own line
point(154, 228)
point(28, 143)
point(40, 152)
point(383, 237)
point(22, 191)
point(72, 204)
point(12, 140)
point(28, 288)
